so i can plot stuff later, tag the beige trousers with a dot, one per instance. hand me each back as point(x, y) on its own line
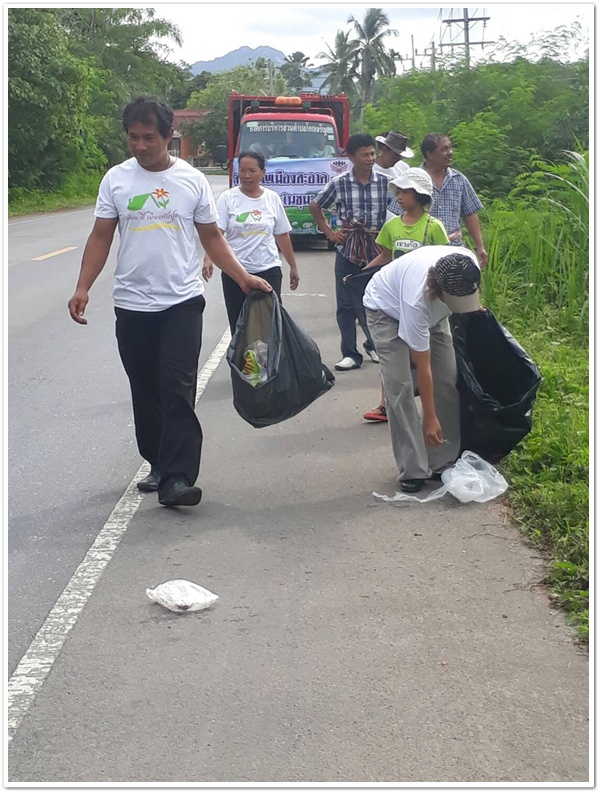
point(414, 459)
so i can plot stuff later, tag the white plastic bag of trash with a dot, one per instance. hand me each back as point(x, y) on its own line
point(471, 478)
point(182, 596)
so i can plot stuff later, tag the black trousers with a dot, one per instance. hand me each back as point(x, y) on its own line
point(234, 296)
point(159, 350)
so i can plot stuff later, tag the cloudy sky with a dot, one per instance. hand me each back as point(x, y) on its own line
point(213, 29)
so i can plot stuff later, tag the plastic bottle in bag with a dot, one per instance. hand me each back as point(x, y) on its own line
point(255, 363)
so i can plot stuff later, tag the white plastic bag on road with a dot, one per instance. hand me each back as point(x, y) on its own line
point(182, 596)
point(470, 479)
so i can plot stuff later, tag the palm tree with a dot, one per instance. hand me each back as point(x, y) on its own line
point(295, 69)
point(369, 49)
point(340, 69)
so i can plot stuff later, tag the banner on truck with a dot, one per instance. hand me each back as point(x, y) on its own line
point(297, 182)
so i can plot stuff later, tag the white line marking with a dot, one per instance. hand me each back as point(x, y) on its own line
point(303, 294)
point(54, 253)
point(33, 668)
point(50, 215)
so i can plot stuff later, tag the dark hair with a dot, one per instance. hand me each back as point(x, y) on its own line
point(430, 143)
point(143, 110)
point(422, 198)
point(359, 141)
point(257, 156)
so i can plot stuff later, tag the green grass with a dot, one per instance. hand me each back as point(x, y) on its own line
point(537, 286)
point(78, 190)
point(548, 472)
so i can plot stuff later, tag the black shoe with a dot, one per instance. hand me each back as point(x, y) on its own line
point(149, 484)
point(411, 485)
point(436, 476)
point(180, 494)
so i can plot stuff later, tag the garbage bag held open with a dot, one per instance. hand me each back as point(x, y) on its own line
point(289, 375)
point(497, 383)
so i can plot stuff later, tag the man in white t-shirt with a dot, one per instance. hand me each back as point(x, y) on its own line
point(159, 203)
point(392, 148)
point(407, 304)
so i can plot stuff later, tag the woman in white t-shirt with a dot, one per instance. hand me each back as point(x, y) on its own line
point(255, 225)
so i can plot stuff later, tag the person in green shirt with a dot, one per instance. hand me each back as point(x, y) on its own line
point(415, 227)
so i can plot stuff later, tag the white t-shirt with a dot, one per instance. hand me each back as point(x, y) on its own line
point(157, 259)
point(393, 172)
point(249, 225)
point(399, 290)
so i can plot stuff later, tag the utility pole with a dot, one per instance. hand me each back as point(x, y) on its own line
point(466, 21)
point(270, 75)
point(429, 53)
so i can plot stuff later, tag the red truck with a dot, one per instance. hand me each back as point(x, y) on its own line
point(302, 139)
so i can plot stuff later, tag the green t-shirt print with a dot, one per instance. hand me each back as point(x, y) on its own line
point(400, 238)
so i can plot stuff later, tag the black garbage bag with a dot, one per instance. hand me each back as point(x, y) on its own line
point(291, 373)
point(497, 383)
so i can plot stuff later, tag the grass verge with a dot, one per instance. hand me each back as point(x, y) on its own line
point(79, 190)
point(548, 471)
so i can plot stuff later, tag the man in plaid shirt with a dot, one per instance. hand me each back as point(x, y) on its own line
point(453, 196)
point(360, 198)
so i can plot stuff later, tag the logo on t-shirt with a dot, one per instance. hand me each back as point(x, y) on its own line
point(404, 246)
point(159, 196)
point(256, 214)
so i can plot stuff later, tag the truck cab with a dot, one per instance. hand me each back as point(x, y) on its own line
point(302, 139)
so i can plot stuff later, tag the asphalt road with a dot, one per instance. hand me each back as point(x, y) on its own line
point(353, 640)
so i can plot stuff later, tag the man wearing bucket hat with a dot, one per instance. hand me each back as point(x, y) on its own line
point(407, 304)
point(392, 148)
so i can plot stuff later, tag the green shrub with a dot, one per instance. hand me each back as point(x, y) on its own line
point(537, 285)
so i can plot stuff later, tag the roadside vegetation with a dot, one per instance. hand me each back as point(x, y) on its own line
point(519, 123)
point(537, 285)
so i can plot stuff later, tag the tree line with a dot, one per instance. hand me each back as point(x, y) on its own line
point(71, 71)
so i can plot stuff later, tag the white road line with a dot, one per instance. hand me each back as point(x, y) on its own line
point(54, 253)
point(33, 668)
point(49, 216)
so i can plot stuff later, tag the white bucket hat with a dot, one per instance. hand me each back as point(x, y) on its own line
point(414, 179)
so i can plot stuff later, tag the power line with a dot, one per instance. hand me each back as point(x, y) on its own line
point(466, 22)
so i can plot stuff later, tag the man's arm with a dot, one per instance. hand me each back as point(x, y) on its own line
point(218, 251)
point(336, 237)
point(474, 229)
point(431, 426)
point(94, 258)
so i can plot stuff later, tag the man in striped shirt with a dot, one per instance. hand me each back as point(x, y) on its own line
point(454, 198)
point(360, 199)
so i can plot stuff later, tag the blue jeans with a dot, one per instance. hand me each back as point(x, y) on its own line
point(349, 309)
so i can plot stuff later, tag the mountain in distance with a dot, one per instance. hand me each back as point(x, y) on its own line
point(240, 57)
point(245, 55)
